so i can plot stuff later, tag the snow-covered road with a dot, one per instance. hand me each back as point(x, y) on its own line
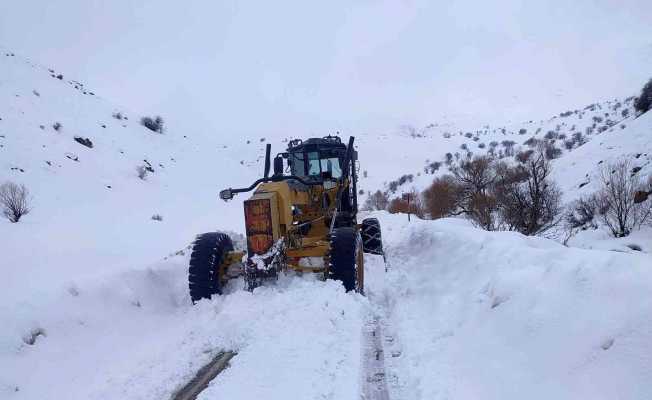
point(461, 314)
point(136, 336)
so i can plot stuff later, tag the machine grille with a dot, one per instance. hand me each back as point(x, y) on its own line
point(258, 221)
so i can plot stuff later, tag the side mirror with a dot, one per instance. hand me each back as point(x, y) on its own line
point(327, 175)
point(278, 166)
point(226, 194)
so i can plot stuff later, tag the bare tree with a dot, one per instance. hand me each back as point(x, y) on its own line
point(475, 179)
point(14, 200)
point(615, 199)
point(528, 199)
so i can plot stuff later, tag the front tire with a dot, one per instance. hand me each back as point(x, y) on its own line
point(204, 273)
point(345, 263)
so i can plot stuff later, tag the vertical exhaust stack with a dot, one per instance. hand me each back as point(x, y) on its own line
point(268, 151)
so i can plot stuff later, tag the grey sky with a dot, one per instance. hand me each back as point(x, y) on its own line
point(312, 67)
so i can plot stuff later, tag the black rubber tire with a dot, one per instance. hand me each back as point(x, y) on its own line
point(372, 241)
point(342, 265)
point(208, 250)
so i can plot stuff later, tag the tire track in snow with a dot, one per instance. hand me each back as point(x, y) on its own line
point(374, 379)
point(204, 376)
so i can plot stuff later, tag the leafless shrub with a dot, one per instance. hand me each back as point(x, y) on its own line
point(509, 147)
point(432, 167)
point(523, 156)
point(157, 217)
point(527, 198)
point(57, 126)
point(14, 200)
point(551, 151)
point(475, 179)
point(532, 142)
point(401, 205)
point(376, 201)
point(153, 124)
point(141, 171)
point(615, 199)
point(643, 103)
point(582, 213)
point(441, 197)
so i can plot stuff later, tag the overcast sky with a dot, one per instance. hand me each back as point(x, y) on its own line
point(307, 67)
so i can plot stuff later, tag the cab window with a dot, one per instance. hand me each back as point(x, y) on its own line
point(310, 164)
point(331, 165)
point(298, 164)
point(313, 164)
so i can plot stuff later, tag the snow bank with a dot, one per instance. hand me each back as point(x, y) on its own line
point(136, 336)
point(496, 315)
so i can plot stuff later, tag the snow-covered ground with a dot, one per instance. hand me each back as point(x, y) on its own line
point(467, 314)
point(497, 315)
point(93, 295)
point(136, 336)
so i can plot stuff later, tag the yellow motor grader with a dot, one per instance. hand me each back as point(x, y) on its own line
point(303, 218)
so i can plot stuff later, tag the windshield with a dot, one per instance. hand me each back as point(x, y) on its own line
point(310, 164)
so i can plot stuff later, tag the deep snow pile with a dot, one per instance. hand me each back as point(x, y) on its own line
point(135, 336)
point(497, 315)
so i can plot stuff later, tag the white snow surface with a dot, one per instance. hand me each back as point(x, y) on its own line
point(136, 336)
point(93, 295)
point(497, 315)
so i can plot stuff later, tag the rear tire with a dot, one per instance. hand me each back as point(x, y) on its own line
point(344, 257)
point(204, 274)
point(372, 241)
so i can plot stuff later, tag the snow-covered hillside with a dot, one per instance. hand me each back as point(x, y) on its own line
point(93, 295)
point(600, 132)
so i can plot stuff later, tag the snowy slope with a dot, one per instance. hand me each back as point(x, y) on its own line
point(611, 122)
point(579, 174)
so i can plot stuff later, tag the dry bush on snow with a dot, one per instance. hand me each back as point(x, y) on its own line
point(582, 213)
point(528, 200)
point(153, 124)
point(14, 200)
point(475, 179)
point(376, 201)
point(643, 103)
point(441, 198)
point(615, 199)
point(399, 205)
point(141, 171)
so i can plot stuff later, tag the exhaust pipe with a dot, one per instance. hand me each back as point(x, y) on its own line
point(268, 151)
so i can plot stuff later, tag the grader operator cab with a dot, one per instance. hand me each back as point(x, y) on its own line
point(302, 218)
